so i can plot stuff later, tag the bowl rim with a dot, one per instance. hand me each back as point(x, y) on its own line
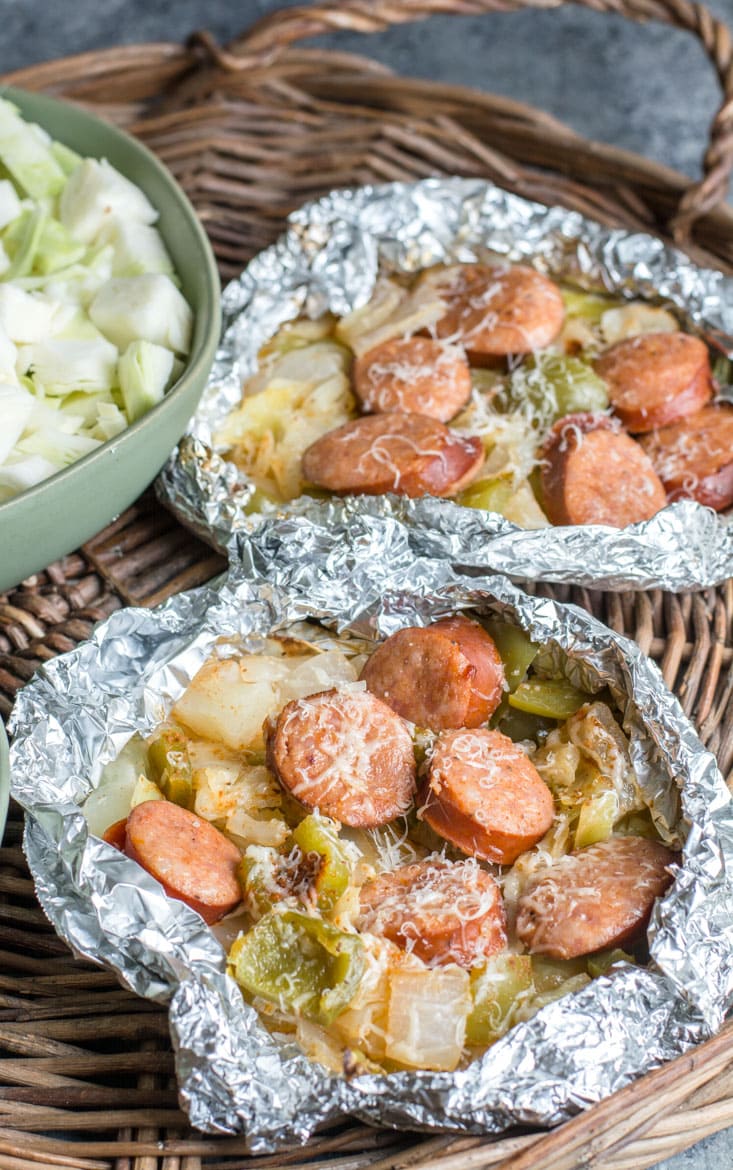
point(207, 320)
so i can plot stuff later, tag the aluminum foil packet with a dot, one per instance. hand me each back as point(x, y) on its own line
point(329, 259)
point(362, 575)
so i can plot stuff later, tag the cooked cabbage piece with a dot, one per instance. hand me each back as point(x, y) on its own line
point(299, 397)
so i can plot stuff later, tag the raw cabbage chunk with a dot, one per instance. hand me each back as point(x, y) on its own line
point(76, 234)
point(144, 372)
point(150, 306)
point(95, 194)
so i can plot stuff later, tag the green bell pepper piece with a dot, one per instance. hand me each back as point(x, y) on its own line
point(550, 698)
point(170, 767)
point(558, 385)
point(515, 648)
point(551, 974)
point(521, 725)
point(602, 961)
point(589, 306)
point(494, 990)
point(317, 838)
point(300, 963)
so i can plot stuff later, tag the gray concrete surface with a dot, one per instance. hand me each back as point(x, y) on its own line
point(647, 88)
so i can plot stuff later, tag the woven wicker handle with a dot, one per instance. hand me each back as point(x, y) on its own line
point(269, 36)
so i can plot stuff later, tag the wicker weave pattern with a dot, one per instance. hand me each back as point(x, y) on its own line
point(251, 131)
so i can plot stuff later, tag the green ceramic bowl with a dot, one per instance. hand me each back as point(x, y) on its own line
point(4, 780)
point(59, 514)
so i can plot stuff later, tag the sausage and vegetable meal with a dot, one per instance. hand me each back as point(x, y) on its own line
point(494, 386)
point(406, 849)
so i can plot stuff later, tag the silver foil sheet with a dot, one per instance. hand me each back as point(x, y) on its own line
point(361, 574)
point(329, 259)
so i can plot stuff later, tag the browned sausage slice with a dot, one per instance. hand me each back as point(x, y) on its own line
point(345, 753)
point(500, 310)
point(594, 473)
point(116, 833)
point(694, 458)
point(445, 675)
point(598, 897)
point(656, 379)
point(404, 453)
point(441, 911)
point(486, 796)
point(191, 859)
point(413, 375)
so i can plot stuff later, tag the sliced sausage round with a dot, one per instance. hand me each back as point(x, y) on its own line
point(346, 754)
point(694, 458)
point(599, 897)
point(409, 454)
point(494, 311)
point(441, 911)
point(191, 859)
point(485, 795)
point(115, 834)
point(594, 473)
point(445, 675)
point(413, 375)
point(656, 379)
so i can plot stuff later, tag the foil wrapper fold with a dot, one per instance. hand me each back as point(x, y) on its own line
point(328, 260)
point(361, 573)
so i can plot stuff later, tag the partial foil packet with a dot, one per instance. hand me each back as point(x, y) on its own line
point(328, 260)
point(81, 708)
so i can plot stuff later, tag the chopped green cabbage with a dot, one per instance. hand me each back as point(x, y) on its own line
point(145, 371)
point(92, 323)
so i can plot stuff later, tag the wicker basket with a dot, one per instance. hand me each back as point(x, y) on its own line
point(250, 132)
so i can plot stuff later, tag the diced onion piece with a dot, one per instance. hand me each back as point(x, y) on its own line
point(319, 1045)
point(149, 306)
point(144, 790)
point(426, 1020)
point(16, 408)
point(635, 319)
point(62, 365)
point(137, 248)
point(229, 700)
point(95, 193)
point(110, 801)
point(385, 299)
point(10, 206)
point(144, 372)
point(272, 831)
point(407, 312)
point(317, 672)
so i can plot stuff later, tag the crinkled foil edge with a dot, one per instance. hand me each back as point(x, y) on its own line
point(328, 260)
point(360, 572)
